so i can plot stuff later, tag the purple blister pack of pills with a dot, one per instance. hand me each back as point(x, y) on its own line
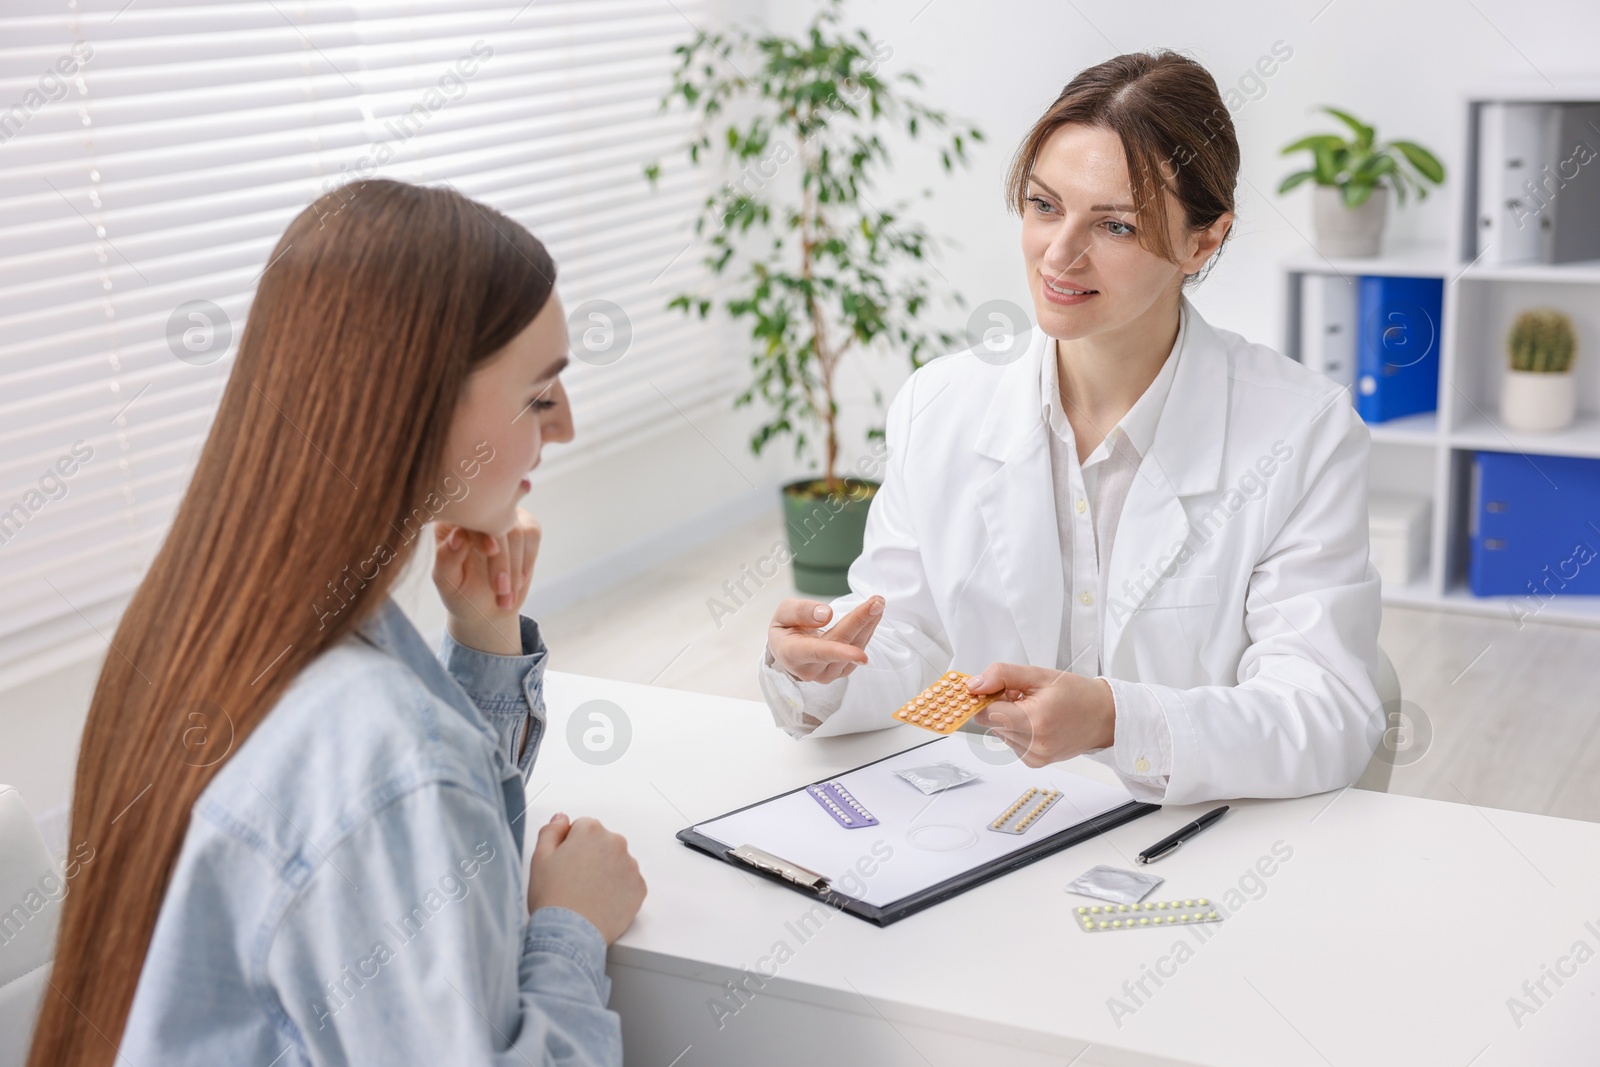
point(845, 809)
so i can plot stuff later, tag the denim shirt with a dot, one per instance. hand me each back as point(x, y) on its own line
point(350, 886)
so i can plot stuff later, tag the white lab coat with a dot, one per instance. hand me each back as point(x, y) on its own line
point(1240, 598)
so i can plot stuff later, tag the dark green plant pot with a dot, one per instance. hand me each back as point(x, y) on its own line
point(825, 532)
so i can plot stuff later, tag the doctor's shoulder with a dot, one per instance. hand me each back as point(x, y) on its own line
point(955, 388)
point(1279, 397)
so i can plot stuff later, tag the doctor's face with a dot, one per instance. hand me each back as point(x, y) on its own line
point(1087, 271)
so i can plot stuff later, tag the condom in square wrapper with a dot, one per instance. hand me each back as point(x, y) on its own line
point(1115, 884)
point(936, 777)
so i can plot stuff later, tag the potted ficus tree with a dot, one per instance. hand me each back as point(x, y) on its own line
point(808, 259)
point(1538, 393)
point(1353, 178)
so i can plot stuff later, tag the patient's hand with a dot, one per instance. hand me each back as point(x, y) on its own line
point(1046, 715)
point(583, 867)
point(799, 646)
point(483, 580)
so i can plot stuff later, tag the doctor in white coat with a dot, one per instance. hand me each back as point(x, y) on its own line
point(1146, 532)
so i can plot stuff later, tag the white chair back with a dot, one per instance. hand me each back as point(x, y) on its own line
point(1381, 770)
point(31, 889)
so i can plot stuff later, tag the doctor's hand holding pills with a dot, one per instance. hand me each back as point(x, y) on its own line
point(1046, 715)
point(800, 647)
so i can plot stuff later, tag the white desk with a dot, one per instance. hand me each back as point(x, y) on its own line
point(1394, 933)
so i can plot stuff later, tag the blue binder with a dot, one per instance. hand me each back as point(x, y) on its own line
point(1397, 353)
point(1535, 526)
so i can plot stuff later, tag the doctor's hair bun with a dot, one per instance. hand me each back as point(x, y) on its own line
point(1175, 128)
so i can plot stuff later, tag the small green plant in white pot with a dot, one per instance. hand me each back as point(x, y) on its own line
point(1353, 176)
point(1538, 393)
point(817, 263)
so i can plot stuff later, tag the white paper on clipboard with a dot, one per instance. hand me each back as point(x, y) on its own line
point(930, 838)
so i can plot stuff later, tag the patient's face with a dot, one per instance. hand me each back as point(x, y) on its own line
point(1079, 231)
point(511, 408)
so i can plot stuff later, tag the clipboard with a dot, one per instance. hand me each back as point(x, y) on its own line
point(791, 828)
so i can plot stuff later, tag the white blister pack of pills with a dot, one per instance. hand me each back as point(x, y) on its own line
point(1096, 918)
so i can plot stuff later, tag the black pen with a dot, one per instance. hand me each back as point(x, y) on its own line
point(1172, 841)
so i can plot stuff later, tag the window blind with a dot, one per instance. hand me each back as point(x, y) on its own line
point(152, 153)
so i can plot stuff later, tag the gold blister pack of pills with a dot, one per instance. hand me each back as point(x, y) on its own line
point(1097, 917)
point(945, 705)
point(1026, 810)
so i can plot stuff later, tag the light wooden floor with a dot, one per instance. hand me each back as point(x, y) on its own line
point(1515, 713)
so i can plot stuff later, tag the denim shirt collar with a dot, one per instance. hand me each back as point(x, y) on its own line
point(389, 630)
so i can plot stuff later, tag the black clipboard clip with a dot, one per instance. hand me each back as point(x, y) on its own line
point(789, 872)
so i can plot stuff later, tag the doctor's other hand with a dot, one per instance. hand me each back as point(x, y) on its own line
point(1046, 715)
point(799, 646)
point(580, 865)
point(483, 580)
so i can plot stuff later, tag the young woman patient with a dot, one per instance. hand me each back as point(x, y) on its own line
point(309, 828)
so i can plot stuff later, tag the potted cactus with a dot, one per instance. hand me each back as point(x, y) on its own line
point(1353, 178)
point(1538, 394)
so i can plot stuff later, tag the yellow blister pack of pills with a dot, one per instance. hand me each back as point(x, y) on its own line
point(945, 705)
point(1026, 810)
point(1094, 918)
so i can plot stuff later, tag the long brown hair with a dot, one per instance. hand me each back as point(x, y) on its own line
point(1166, 109)
point(378, 302)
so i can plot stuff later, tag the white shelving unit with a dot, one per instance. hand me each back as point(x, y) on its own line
point(1431, 454)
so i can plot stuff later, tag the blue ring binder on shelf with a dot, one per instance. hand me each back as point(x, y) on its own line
point(1397, 346)
point(1535, 527)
